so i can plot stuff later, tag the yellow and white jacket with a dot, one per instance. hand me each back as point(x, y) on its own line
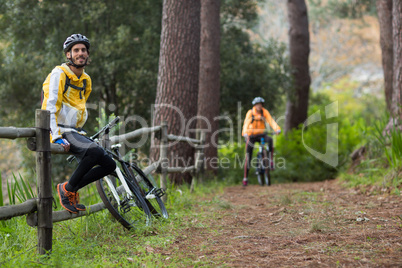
point(66, 103)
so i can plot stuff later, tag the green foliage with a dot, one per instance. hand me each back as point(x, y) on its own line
point(239, 13)
point(234, 156)
point(301, 165)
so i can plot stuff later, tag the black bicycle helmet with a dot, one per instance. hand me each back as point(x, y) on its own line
point(258, 100)
point(75, 39)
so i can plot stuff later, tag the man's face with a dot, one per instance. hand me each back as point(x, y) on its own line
point(79, 54)
point(258, 107)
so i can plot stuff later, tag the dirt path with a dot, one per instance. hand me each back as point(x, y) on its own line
point(312, 224)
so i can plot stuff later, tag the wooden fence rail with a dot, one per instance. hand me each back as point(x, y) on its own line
point(39, 210)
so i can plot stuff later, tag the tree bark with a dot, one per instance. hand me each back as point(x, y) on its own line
point(384, 10)
point(209, 80)
point(299, 48)
point(397, 51)
point(177, 88)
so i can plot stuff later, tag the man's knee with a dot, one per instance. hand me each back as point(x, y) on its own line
point(95, 152)
point(110, 165)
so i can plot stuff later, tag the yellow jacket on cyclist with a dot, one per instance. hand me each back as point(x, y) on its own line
point(255, 122)
point(65, 96)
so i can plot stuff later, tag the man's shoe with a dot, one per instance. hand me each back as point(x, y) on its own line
point(80, 207)
point(245, 182)
point(67, 199)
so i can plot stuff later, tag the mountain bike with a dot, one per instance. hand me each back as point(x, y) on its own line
point(264, 164)
point(127, 193)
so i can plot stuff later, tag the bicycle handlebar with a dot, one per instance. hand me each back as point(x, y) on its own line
point(106, 128)
point(267, 133)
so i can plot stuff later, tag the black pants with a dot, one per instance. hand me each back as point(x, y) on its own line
point(250, 146)
point(94, 162)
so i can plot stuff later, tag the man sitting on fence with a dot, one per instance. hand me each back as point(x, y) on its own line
point(65, 93)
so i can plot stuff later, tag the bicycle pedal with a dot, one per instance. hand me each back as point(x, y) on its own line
point(125, 205)
point(158, 192)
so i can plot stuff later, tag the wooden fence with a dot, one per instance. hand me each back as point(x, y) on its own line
point(39, 210)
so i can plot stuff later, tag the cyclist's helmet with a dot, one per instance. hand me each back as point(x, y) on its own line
point(75, 39)
point(258, 100)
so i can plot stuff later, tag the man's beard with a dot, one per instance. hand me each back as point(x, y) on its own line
point(72, 62)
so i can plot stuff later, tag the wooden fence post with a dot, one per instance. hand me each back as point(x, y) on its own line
point(198, 161)
point(201, 157)
point(164, 158)
point(43, 176)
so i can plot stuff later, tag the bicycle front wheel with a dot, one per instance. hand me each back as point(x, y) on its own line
point(267, 175)
point(151, 193)
point(124, 202)
point(260, 170)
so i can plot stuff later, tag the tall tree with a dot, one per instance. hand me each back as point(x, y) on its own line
point(209, 80)
point(396, 106)
point(384, 10)
point(299, 47)
point(177, 87)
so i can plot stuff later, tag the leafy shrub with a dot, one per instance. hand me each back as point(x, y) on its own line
point(392, 144)
point(233, 156)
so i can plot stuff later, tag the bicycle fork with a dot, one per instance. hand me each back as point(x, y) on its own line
point(122, 188)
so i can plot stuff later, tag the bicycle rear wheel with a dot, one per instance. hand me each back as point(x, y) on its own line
point(151, 193)
point(129, 208)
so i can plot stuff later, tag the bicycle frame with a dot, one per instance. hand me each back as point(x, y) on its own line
point(124, 185)
point(263, 171)
point(153, 193)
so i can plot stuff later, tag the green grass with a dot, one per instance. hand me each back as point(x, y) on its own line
point(98, 240)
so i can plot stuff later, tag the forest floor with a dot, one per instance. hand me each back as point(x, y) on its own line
point(321, 224)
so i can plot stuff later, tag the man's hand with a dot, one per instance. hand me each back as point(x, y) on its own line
point(64, 143)
point(278, 132)
point(245, 137)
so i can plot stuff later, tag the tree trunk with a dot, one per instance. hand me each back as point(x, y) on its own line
point(177, 88)
point(396, 106)
point(384, 10)
point(209, 81)
point(299, 47)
